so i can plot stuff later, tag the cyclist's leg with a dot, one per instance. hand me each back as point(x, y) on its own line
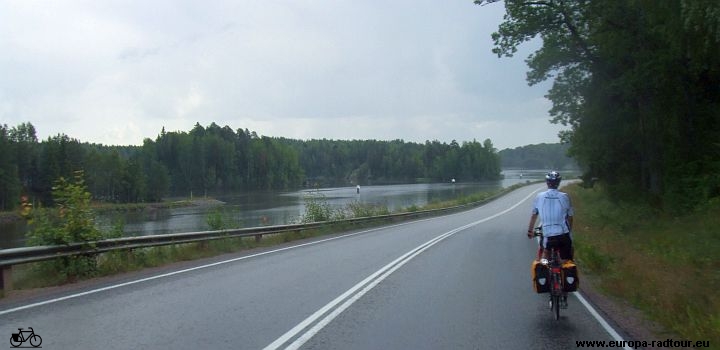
point(551, 243)
point(566, 253)
point(564, 246)
point(541, 250)
point(545, 248)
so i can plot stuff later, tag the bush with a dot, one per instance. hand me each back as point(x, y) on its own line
point(217, 219)
point(72, 221)
point(317, 209)
point(361, 210)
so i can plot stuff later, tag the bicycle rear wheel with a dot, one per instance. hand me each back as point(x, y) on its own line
point(14, 342)
point(556, 293)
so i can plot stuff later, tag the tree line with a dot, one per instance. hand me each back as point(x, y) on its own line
point(214, 159)
point(637, 83)
point(540, 156)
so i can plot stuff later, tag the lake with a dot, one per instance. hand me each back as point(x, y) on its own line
point(251, 209)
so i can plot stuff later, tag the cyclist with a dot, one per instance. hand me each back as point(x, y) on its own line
point(555, 211)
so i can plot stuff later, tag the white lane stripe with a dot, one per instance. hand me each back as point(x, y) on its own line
point(601, 320)
point(325, 321)
point(72, 296)
point(614, 334)
point(370, 282)
point(317, 314)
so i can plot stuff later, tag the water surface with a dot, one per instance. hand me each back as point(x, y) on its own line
point(251, 209)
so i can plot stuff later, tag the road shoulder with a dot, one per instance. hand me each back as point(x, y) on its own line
point(627, 320)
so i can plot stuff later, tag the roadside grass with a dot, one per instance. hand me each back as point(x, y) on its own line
point(46, 273)
point(462, 200)
point(666, 266)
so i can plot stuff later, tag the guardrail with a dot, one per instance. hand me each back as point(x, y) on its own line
point(17, 256)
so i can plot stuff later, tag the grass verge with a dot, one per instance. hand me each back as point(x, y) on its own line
point(44, 274)
point(666, 266)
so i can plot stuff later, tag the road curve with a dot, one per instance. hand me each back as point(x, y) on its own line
point(460, 281)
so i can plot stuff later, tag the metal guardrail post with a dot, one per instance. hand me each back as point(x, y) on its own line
point(6, 279)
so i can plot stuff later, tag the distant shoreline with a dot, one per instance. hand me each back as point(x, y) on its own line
point(7, 217)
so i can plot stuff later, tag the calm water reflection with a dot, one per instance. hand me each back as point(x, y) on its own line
point(273, 208)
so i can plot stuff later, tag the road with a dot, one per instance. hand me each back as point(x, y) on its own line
point(455, 282)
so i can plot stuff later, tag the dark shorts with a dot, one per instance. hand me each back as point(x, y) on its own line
point(563, 243)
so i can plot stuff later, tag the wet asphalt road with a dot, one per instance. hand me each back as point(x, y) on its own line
point(456, 282)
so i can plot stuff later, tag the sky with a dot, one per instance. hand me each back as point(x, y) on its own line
point(117, 72)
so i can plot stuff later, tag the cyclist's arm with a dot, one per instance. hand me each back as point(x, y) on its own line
point(531, 225)
point(569, 213)
point(533, 216)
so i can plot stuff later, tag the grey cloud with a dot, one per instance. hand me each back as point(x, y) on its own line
point(405, 69)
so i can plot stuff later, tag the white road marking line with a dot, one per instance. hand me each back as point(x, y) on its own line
point(98, 290)
point(601, 320)
point(592, 311)
point(352, 294)
point(72, 296)
point(325, 321)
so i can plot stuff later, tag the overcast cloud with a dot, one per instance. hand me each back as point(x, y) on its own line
point(116, 72)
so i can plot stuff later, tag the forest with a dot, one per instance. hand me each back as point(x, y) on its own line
point(638, 85)
point(211, 159)
point(540, 156)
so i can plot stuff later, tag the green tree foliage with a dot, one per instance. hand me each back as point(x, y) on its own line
point(317, 209)
point(637, 82)
point(330, 162)
point(218, 159)
point(9, 184)
point(18, 162)
point(71, 221)
point(542, 156)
